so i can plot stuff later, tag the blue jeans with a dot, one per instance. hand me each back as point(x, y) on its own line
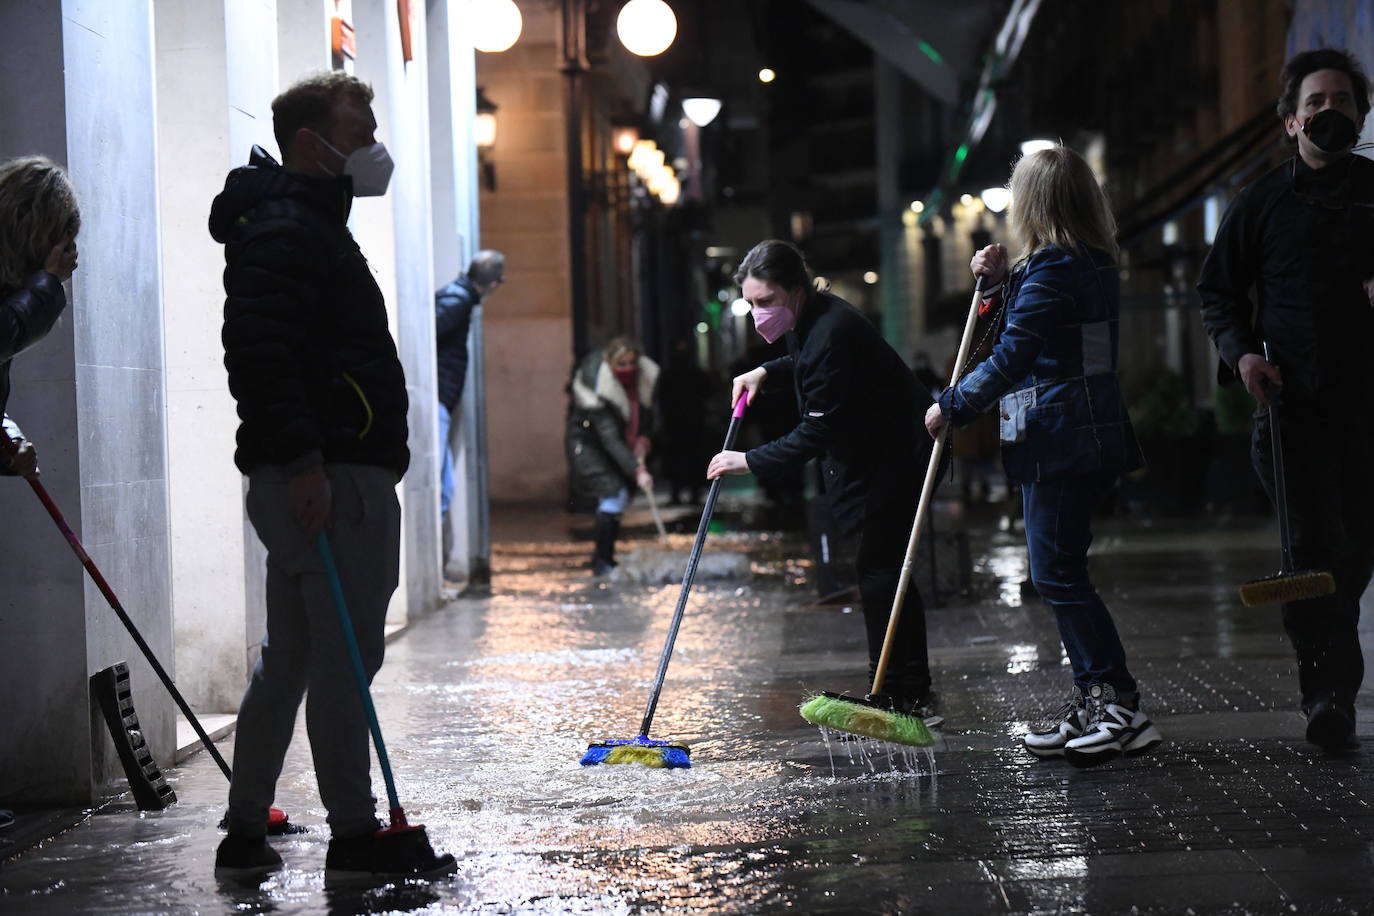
point(615, 503)
point(1058, 532)
point(446, 463)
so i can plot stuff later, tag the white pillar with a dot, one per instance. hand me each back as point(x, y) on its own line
point(80, 89)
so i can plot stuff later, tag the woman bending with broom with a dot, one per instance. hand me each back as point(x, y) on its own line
point(1065, 433)
point(860, 411)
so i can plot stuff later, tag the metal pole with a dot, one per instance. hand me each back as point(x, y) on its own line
point(574, 65)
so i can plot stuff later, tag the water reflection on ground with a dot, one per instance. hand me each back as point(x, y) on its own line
point(488, 705)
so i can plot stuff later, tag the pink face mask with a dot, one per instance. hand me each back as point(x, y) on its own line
point(773, 321)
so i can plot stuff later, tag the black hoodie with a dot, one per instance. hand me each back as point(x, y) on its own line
point(310, 356)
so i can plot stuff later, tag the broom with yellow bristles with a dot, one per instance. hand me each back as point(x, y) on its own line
point(641, 748)
point(1289, 584)
point(876, 715)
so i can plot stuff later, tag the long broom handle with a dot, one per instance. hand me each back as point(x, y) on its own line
point(11, 449)
point(355, 657)
point(923, 507)
point(653, 510)
point(691, 572)
point(1280, 487)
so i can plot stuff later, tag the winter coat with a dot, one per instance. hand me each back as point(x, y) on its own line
point(452, 315)
point(310, 357)
point(1302, 239)
point(1053, 371)
point(600, 461)
point(26, 316)
point(861, 413)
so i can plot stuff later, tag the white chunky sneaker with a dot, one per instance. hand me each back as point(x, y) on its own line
point(1113, 729)
point(1068, 723)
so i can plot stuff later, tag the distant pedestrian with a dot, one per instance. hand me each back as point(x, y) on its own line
point(453, 307)
point(860, 413)
point(1302, 237)
point(39, 221)
point(682, 391)
point(610, 415)
point(1065, 433)
point(322, 439)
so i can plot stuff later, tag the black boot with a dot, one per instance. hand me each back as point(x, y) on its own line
point(607, 530)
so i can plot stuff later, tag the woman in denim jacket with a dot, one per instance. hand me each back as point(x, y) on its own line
point(1065, 433)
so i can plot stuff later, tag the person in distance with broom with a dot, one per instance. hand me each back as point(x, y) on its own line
point(610, 413)
point(861, 410)
point(1065, 433)
point(1303, 237)
point(39, 219)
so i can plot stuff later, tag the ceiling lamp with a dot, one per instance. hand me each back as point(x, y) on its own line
point(671, 191)
point(996, 199)
point(1035, 146)
point(701, 111)
point(496, 24)
point(646, 27)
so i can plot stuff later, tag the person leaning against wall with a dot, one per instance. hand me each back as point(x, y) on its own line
point(1302, 236)
point(322, 439)
point(453, 307)
point(39, 220)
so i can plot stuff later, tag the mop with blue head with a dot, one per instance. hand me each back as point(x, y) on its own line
point(642, 749)
point(879, 715)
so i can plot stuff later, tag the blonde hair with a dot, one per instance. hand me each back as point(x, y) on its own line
point(37, 208)
point(1056, 200)
point(622, 344)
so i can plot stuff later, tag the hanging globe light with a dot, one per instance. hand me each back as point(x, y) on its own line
point(497, 25)
point(646, 27)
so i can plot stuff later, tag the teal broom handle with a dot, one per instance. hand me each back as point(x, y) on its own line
point(331, 573)
point(691, 572)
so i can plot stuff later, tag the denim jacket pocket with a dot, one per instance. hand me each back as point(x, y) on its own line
point(1013, 415)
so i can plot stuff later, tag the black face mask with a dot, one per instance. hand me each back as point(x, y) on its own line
point(1331, 131)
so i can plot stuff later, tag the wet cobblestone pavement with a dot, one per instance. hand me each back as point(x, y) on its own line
point(487, 706)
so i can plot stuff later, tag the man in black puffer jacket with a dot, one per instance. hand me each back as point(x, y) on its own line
point(322, 400)
point(453, 307)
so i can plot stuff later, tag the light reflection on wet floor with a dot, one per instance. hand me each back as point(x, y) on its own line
point(488, 705)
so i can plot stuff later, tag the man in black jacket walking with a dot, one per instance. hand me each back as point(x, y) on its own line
point(322, 403)
point(1303, 237)
point(453, 307)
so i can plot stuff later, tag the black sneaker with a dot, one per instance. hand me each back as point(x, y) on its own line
point(245, 857)
point(404, 854)
point(1331, 728)
point(925, 707)
point(1114, 727)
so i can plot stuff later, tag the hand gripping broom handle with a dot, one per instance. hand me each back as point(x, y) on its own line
point(923, 507)
point(1280, 488)
point(691, 572)
point(11, 450)
point(355, 658)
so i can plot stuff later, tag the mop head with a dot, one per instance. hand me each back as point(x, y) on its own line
point(672, 755)
point(661, 566)
point(866, 717)
point(1285, 587)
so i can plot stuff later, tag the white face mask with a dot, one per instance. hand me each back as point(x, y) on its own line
point(369, 166)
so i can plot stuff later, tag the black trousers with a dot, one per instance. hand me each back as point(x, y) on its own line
point(882, 548)
point(1328, 456)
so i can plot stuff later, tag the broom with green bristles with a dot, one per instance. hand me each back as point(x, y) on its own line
point(642, 748)
point(875, 715)
point(1288, 584)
